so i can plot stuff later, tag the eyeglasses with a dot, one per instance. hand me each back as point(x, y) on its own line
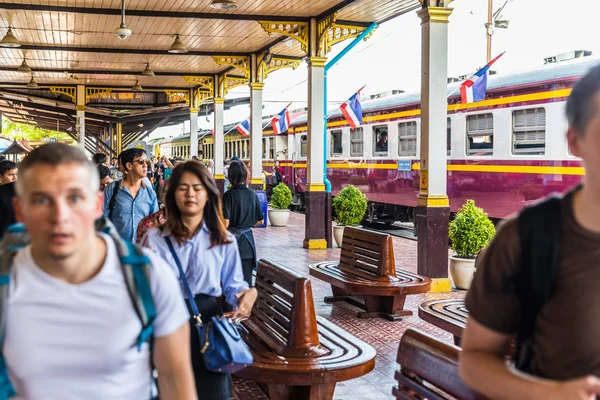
point(140, 162)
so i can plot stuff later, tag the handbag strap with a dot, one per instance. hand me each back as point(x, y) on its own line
point(184, 282)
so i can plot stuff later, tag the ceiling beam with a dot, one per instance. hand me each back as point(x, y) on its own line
point(325, 13)
point(114, 50)
point(149, 13)
point(107, 71)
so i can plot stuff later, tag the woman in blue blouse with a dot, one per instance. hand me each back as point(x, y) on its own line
point(209, 257)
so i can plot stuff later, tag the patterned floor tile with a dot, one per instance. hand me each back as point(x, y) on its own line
point(284, 245)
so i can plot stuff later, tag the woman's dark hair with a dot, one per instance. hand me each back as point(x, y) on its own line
point(99, 158)
point(237, 174)
point(213, 215)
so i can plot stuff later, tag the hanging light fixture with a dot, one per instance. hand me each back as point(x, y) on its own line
point(148, 71)
point(9, 40)
point(178, 47)
point(122, 32)
point(223, 4)
point(32, 83)
point(137, 87)
point(24, 67)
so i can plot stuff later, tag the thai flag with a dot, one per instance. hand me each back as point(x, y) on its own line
point(474, 88)
point(244, 127)
point(212, 132)
point(352, 110)
point(281, 122)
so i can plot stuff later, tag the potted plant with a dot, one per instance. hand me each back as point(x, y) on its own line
point(349, 206)
point(280, 201)
point(470, 231)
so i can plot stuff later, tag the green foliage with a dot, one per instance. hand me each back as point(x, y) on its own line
point(470, 231)
point(350, 206)
point(17, 130)
point(281, 197)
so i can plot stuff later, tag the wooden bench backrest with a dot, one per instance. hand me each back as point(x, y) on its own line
point(286, 309)
point(429, 368)
point(368, 253)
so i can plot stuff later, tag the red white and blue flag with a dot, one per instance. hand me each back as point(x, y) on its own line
point(352, 110)
point(281, 122)
point(474, 88)
point(244, 127)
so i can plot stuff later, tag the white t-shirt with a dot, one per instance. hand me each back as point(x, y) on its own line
point(75, 342)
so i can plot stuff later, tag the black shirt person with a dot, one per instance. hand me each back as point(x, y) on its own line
point(242, 210)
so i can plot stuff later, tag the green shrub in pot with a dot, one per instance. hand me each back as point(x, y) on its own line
point(350, 206)
point(281, 198)
point(470, 231)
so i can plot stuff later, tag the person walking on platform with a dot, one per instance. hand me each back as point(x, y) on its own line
point(538, 280)
point(129, 200)
point(70, 327)
point(242, 210)
point(195, 240)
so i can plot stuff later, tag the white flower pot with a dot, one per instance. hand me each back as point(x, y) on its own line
point(462, 270)
point(338, 234)
point(279, 217)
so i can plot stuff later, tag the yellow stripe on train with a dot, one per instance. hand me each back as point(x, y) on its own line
point(522, 169)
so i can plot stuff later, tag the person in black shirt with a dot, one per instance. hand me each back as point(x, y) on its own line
point(7, 213)
point(242, 210)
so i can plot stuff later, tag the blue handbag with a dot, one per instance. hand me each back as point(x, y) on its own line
point(221, 345)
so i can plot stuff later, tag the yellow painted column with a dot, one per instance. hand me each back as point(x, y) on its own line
point(219, 143)
point(119, 138)
point(433, 208)
point(80, 124)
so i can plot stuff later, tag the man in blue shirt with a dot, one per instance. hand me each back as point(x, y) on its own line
point(129, 200)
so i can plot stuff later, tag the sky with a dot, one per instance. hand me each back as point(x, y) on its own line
point(391, 57)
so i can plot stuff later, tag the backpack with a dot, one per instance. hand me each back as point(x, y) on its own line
point(113, 199)
point(276, 179)
point(135, 266)
point(539, 228)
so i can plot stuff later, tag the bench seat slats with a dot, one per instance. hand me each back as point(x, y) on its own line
point(429, 369)
point(272, 320)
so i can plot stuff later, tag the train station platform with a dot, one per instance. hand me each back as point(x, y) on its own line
point(284, 245)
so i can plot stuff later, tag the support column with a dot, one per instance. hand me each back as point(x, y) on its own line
point(80, 96)
point(315, 235)
point(433, 207)
point(119, 138)
point(256, 93)
point(193, 132)
point(219, 143)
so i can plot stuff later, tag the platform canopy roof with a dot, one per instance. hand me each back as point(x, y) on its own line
point(66, 43)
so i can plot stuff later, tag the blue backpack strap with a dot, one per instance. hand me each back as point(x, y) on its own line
point(135, 269)
point(14, 238)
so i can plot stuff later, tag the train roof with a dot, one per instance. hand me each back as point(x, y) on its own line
point(549, 72)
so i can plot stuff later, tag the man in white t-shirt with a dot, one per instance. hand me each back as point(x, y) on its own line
point(71, 328)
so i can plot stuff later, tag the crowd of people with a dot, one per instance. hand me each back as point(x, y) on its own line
point(174, 211)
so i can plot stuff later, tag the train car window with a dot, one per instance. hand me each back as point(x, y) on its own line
point(336, 142)
point(407, 139)
point(303, 145)
point(272, 148)
point(264, 148)
point(448, 136)
point(529, 131)
point(480, 135)
point(380, 141)
point(356, 142)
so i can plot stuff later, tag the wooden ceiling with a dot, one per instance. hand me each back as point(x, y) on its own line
point(69, 42)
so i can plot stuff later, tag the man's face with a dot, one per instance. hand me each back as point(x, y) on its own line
point(104, 182)
point(587, 144)
point(10, 176)
point(59, 207)
point(138, 167)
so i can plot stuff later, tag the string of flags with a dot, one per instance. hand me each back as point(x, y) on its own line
point(244, 127)
point(474, 88)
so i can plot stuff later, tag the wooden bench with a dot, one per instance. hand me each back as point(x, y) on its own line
point(429, 370)
point(449, 315)
point(367, 267)
point(298, 355)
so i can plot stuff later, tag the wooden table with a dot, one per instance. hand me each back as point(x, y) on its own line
point(450, 315)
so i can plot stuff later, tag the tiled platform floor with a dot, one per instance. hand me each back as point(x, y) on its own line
point(284, 245)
